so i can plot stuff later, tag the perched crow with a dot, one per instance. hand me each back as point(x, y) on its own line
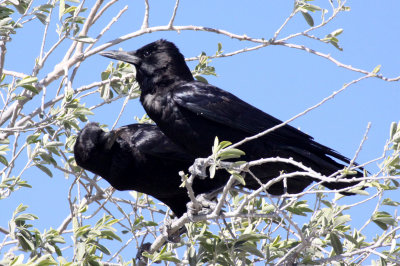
point(140, 157)
point(192, 114)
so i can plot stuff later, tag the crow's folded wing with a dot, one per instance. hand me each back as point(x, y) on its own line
point(225, 108)
point(149, 140)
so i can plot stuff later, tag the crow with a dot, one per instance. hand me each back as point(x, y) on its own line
point(192, 113)
point(140, 157)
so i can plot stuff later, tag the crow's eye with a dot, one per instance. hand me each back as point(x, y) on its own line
point(146, 53)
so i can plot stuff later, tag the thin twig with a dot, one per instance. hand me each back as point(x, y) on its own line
point(171, 22)
point(222, 198)
point(361, 145)
point(145, 23)
point(106, 6)
point(88, 24)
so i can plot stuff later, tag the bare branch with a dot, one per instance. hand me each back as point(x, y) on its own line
point(361, 144)
point(101, 12)
point(15, 74)
point(88, 24)
point(171, 22)
point(3, 51)
point(224, 193)
point(145, 23)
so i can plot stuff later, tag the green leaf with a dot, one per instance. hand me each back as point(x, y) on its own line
point(224, 144)
point(309, 7)
point(48, 158)
point(219, 51)
point(212, 170)
point(251, 237)
point(70, 9)
point(393, 130)
point(215, 146)
point(336, 45)
point(62, 9)
point(191, 251)
point(28, 80)
point(336, 244)
point(231, 153)
point(275, 242)
point(82, 230)
point(359, 191)
point(20, 208)
point(169, 256)
point(105, 75)
point(83, 111)
point(383, 219)
point(376, 69)
point(32, 138)
point(237, 176)
point(83, 208)
point(102, 248)
point(21, 6)
point(54, 144)
point(150, 223)
point(337, 32)
point(25, 217)
point(42, 17)
point(44, 8)
point(3, 160)
point(45, 261)
point(308, 18)
point(4, 141)
point(299, 208)
point(85, 39)
point(111, 234)
point(105, 92)
point(201, 79)
point(5, 12)
point(25, 243)
point(341, 220)
point(5, 21)
point(352, 240)
point(44, 169)
point(94, 262)
point(345, 8)
point(252, 250)
point(267, 208)
point(390, 202)
point(20, 98)
point(24, 184)
point(327, 203)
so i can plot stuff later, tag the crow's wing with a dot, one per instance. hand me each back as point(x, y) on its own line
point(149, 140)
point(225, 108)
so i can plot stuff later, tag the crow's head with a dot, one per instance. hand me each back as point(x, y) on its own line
point(157, 63)
point(92, 142)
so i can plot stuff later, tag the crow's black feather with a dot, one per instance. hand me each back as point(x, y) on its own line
point(140, 157)
point(192, 114)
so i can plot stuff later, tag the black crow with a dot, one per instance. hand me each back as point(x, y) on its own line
point(192, 114)
point(140, 157)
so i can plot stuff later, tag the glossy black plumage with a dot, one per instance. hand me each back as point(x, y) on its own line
point(140, 157)
point(192, 113)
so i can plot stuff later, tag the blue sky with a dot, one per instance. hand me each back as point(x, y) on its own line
point(278, 80)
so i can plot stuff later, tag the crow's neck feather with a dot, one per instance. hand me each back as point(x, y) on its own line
point(162, 80)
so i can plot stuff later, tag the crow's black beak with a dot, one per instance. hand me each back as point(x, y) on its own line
point(128, 57)
point(111, 136)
